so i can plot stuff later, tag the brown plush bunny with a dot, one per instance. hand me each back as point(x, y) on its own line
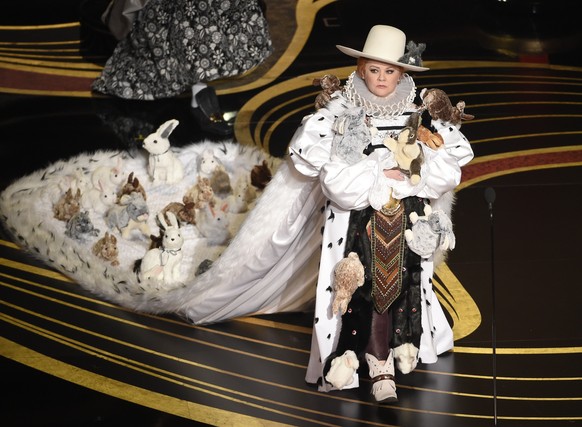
point(261, 175)
point(406, 150)
point(106, 248)
point(132, 185)
point(439, 107)
point(330, 84)
point(348, 276)
point(68, 205)
point(185, 212)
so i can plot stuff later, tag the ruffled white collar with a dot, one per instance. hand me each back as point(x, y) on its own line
point(401, 100)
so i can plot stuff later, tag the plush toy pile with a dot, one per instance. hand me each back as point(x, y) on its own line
point(183, 205)
point(121, 207)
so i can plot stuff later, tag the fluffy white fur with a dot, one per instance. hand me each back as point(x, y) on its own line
point(268, 266)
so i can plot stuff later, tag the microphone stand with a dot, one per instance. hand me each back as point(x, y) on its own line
point(490, 198)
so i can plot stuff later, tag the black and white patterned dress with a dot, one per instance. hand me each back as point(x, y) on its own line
point(175, 44)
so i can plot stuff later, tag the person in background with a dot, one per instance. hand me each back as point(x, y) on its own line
point(394, 317)
point(167, 48)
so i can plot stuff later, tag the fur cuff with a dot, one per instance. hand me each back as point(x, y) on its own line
point(406, 357)
point(342, 370)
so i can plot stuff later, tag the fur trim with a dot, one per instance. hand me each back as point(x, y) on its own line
point(406, 357)
point(445, 203)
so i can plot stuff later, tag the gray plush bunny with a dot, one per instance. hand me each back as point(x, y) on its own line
point(430, 232)
point(413, 55)
point(352, 135)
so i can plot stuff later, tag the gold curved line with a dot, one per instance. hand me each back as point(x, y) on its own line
point(137, 325)
point(488, 396)
point(439, 65)
point(15, 53)
point(498, 104)
point(39, 271)
point(38, 43)
point(182, 380)
point(167, 404)
point(504, 92)
point(243, 132)
point(39, 27)
point(94, 381)
point(265, 117)
point(51, 67)
point(185, 381)
point(275, 325)
point(465, 75)
point(518, 350)
point(490, 377)
point(531, 116)
point(497, 82)
point(280, 326)
point(525, 117)
point(529, 152)
point(517, 169)
point(521, 136)
point(72, 93)
point(9, 244)
point(463, 307)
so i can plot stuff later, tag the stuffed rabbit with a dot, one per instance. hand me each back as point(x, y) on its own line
point(108, 176)
point(213, 224)
point(99, 198)
point(163, 264)
point(163, 165)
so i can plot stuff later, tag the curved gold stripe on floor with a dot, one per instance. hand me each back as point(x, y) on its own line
point(38, 27)
point(162, 402)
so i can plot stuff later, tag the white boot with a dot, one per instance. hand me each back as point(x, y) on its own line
point(382, 375)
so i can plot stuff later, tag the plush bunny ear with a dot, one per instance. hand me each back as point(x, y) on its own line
point(172, 218)
point(163, 220)
point(168, 127)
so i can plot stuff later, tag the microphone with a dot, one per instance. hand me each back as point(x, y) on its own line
point(490, 198)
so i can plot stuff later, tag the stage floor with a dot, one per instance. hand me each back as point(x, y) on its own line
point(71, 359)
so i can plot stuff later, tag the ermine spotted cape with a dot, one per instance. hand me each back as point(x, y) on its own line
point(269, 265)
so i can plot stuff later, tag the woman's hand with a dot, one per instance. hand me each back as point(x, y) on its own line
point(394, 174)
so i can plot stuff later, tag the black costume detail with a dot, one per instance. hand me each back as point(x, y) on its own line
point(405, 311)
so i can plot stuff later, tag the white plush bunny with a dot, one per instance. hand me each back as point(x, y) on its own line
point(78, 180)
point(99, 198)
point(208, 163)
point(108, 176)
point(213, 224)
point(163, 264)
point(163, 165)
point(242, 194)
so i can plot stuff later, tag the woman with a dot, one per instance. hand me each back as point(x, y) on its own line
point(370, 199)
point(181, 45)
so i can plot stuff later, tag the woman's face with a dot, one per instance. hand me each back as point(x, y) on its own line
point(381, 78)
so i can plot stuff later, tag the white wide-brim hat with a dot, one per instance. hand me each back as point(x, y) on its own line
point(386, 44)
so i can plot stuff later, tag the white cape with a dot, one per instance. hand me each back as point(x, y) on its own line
point(270, 265)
